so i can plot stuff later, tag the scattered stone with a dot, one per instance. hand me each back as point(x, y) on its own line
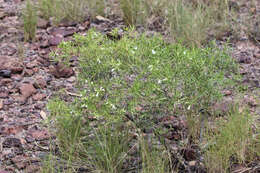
point(28, 72)
point(2, 14)
point(222, 107)
point(38, 97)
point(20, 161)
point(245, 59)
point(32, 168)
point(102, 19)
point(40, 135)
point(3, 94)
point(65, 32)
point(15, 129)
point(40, 82)
point(62, 71)
point(227, 92)
point(250, 101)
point(72, 79)
point(43, 115)
point(17, 77)
point(5, 81)
point(54, 41)
point(12, 142)
point(32, 64)
point(12, 30)
point(10, 64)
point(42, 23)
point(44, 44)
point(3, 171)
point(1, 104)
point(27, 89)
point(192, 163)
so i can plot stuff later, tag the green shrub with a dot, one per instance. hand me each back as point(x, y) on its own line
point(135, 78)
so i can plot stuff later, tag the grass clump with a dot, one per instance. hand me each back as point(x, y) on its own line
point(67, 10)
point(189, 21)
point(135, 79)
point(232, 143)
point(29, 21)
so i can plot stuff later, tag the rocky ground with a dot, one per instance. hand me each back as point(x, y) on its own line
point(28, 78)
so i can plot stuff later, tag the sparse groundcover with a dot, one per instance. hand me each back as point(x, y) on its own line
point(126, 86)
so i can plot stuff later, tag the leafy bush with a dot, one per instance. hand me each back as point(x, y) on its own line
point(138, 79)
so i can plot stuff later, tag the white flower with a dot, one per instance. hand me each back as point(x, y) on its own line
point(159, 81)
point(184, 52)
point(135, 48)
point(113, 106)
point(153, 52)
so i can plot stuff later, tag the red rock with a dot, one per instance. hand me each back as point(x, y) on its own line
point(44, 44)
point(32, 64)
point(35, 70)
point(4, 94)
point(12, 142)
point(62, 31)
point(32, 168)
point(42, 23)
point(250, 101)
point(11, 130)
point(1, 104)
point(62, 71)
point(10, 63)
point(40, 134)
point(245, 59)
point(27, 90)
point(5, 81)
point(54, 41)
point(227, 92)
point(40, 82)
point(39, 96)
point(257, 54)
point(28, 72)
point(3, 171)
point(20, 161)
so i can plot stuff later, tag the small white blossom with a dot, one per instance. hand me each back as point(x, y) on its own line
point(159, 81)
point(184, 52)
point(135, 48)
point(153, 52)
point(113, 106)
